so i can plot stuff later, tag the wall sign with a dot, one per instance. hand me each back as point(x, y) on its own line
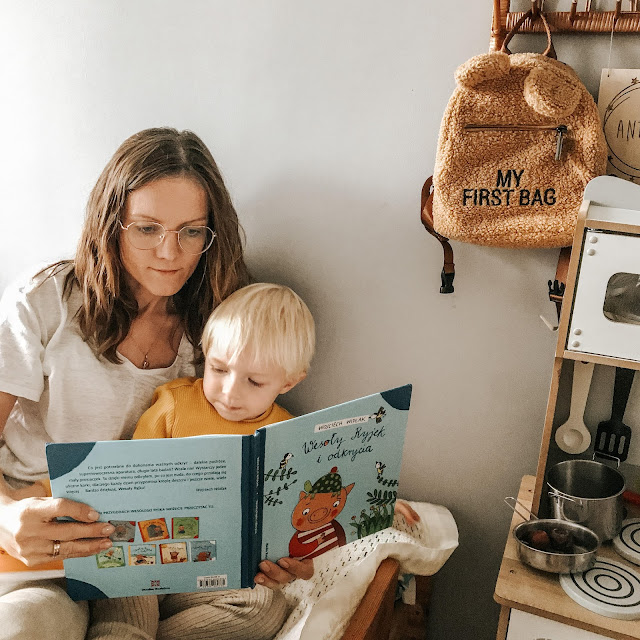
point(619, 107)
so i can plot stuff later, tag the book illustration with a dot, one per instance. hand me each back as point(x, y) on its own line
point(382, 506)
point(173, 552)
point(125, 530)
point(112, 557)
point(185, 527)
point(314, 517)
point(285, 460)
point(203, 550)
point(155, 529)
point(380, 413)
point(279, 479)
point(142, 554)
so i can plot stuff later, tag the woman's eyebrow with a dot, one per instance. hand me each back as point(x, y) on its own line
point(146, 216)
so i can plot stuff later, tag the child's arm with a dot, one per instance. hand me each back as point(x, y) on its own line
point(39, 489)
point(157, 420)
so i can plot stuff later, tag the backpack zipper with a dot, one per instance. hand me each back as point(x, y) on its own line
point(561, 131)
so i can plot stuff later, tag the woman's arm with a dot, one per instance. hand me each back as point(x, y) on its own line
point(28, 527)
point(6, 405)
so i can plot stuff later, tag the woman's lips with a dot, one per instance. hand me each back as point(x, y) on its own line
point(166, 272)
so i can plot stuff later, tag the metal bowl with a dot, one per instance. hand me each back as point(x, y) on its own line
point(585, 543)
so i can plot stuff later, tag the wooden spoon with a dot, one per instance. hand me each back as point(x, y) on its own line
point(573, 436)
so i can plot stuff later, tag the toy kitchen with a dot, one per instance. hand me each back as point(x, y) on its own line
point(588, 471)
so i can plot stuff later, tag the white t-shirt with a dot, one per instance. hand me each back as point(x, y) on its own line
point(65, 393)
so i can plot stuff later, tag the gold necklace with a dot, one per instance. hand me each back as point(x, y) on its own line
point(145, 361)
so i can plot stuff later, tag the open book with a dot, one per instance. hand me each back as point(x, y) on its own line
point(200, 513)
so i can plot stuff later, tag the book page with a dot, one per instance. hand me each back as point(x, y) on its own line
point(331, 477)
point(175, 505)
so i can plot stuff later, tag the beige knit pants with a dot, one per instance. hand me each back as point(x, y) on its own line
point(40, 610)
point(236, 614)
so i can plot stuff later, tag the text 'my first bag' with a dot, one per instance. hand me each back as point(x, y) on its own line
point(519, 140)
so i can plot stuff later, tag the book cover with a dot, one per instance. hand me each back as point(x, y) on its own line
point(331, 477)
point(198, 514)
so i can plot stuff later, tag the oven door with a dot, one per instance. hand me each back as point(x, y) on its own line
point(606, 309)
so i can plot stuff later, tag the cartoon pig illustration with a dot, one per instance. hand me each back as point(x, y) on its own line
point(314, 517)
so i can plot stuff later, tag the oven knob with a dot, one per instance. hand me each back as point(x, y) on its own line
point(575, 343)
point(591, 252)
point(577, 332)
point(593, 239)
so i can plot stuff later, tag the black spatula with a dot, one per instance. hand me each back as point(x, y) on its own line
point(613, 436)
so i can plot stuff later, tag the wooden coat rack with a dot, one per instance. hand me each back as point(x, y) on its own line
point(572, 21)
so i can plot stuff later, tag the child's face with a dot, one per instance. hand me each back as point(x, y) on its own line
point(239, 389)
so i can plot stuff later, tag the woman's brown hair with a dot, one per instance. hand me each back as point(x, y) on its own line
point(109, 306)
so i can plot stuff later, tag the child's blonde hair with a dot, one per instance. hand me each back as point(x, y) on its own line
point(270, 320)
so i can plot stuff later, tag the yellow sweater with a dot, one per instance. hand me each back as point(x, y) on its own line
point(179, 409)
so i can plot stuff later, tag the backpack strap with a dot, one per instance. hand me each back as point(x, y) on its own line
point(426, 216)
point(557, 286)
point(550, 51)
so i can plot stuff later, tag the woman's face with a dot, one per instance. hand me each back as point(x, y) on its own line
point(174, 203)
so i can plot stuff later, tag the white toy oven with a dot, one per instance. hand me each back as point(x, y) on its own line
point(605, 318)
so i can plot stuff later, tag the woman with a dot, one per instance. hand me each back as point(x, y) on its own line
point(86, 342)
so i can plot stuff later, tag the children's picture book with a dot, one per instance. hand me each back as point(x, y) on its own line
point(200, 513)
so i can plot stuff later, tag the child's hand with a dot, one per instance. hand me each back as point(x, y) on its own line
point(407, 511)
point(275, 576)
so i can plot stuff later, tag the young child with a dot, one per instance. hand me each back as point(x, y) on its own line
point(257, 344)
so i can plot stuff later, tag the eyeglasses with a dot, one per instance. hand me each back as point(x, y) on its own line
point(149, 235)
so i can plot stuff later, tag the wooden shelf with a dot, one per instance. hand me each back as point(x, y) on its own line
point(606, 360)
point(521, 587)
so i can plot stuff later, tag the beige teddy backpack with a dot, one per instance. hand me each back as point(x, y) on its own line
point(519, 140)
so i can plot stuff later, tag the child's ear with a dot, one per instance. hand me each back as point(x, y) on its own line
point(293, 381)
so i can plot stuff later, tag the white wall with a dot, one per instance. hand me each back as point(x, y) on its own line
point(324, 118)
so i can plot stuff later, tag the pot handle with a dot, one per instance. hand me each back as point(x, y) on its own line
point(561, 499)
point(516, 503)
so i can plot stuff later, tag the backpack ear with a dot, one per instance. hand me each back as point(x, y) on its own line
point(478, 69)
point(552, 90)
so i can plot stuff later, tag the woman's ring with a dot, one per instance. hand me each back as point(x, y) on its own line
point(56, 548)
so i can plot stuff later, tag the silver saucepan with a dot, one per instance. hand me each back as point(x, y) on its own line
point(553, 545)
point(588, 493)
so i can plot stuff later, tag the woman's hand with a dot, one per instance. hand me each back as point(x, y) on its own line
point(30, 533)
point(407, 511)
point(275, 576)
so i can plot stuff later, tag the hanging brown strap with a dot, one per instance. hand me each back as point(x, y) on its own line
point(426, 215)
point(557, 286)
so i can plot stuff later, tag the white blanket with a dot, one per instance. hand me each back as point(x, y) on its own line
point(323, 606)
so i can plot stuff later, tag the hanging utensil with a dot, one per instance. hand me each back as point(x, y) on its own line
point(573, 436)
point(613, 436)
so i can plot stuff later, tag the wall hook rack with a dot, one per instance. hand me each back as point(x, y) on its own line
point(572, 21)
